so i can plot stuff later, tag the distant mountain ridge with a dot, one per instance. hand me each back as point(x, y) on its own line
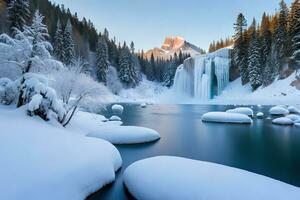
point(171, 46)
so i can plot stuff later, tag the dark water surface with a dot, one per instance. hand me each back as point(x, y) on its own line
point(262, 147)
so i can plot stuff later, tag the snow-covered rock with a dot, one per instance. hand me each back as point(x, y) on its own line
point(260, 115)
point(293, 110)
point(143, 105)
point(118, 109)
point(279, 110)
point(297, 124)
point(115, 118)
point(242, 110)
point(126, 134)
point(224, 117)
point(293, 117)
point(180, 178)
point(40, 160)
point(283, 121)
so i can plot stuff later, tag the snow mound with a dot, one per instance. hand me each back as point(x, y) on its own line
point(283, 121)
point(293, 110)
point(224, 117)
point(260, 115)
point(143, 105)
point(293, 117)
point(279, 110)
point(242, 110)
point(46, 162)
point(167, 177)
point(297, 124)
point(118, 109)
point(126, 134)
point(115, 118)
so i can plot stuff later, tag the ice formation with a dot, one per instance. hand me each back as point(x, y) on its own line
point(203, 76)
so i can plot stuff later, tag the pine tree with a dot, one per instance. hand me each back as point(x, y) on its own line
point(102, 60)
point(69, 52)
point(128, 73)
point(132, 47)
point(266, 40)
point(281, 33)
point(254, 66)
point(240, 47)
point(18, 15)
point(295, 59)
point(169, 74)
point(58, 43)
point(271, 68)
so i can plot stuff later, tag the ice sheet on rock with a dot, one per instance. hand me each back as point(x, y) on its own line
point(242, 110)
point(279, 110)
point(126, 134)
point(283, 121)
point(224, 117)
point(167, 177)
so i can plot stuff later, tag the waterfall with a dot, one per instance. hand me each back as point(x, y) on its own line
point(203, 76)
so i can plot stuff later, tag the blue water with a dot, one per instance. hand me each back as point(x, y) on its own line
point(262, 147)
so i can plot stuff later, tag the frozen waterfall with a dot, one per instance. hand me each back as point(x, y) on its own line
point(203, 76)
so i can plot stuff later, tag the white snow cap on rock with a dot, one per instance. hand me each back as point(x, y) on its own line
point(224, 117)
point(293, 117)
point(279, 110)
point(143, 105)
point(293, 110)
point(260, 115)
point(125, 134)
point(167, 177)
point(115, 118)
point(117, 108)
point(242, 110)
point(283, 121)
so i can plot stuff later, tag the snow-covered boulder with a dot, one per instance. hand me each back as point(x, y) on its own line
point(167, 177)
point(242, 110)
point(283, 121)
point(279, 110)
point(143, 105)
point(297, 124)
point(224, 117)
point(260, 115)
point(126, 134)
point(115, 118)
point(293, 110)
point(293, 117)
point(117, 109)
point(42, 161)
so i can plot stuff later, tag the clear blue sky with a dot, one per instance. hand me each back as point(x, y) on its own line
point(148, 22)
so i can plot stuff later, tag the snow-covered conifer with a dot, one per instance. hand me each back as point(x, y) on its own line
point(58, 44)
point(102, 60)
point(69, 50)
point(18, 14)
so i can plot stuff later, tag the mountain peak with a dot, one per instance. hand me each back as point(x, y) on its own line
point(172, 45)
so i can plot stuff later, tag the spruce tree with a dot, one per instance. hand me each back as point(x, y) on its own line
point(240, 47)
point(69, 52)
point(102, 60)
point(295, 59)
point(281, 33)
point(18, 15)
point(128, 73)
point(266, 40)
point(58, 43)
point(254, 66)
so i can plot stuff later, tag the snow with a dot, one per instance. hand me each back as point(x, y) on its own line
point(293, 117)
point(224, 117)
point(283, 121)
point(126, 134)
point(297, 124)
point(260, 115)
point(294, 110)
point(45, 161)
point(118, 109)
point(279, 110)
point(115, 118)
point(242, 110)
point(168, 177)
point(143, 105)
